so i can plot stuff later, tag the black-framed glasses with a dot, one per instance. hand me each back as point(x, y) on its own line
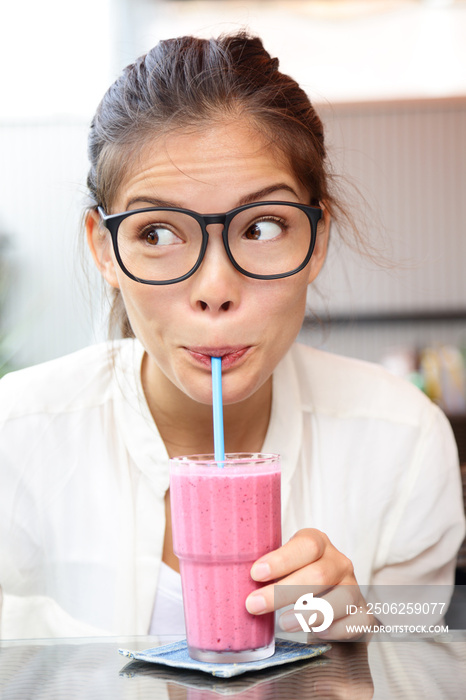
point(164, 245)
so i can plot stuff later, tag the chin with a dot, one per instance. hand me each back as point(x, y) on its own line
point(236, 394)
point(230, 394)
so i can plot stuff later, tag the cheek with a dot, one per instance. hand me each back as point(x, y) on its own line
point(145, 305)
point(286, 300)
point(280, 318)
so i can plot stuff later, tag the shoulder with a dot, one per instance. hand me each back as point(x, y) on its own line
point(76, 381)
point(347, 387)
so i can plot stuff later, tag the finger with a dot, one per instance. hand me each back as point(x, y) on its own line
point(350, 627)
point(341, 598)
point(317, 577)
point(290, 564)
point(341, 629)
point(305, 547)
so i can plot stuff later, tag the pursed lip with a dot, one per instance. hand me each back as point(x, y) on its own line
point(230, 354)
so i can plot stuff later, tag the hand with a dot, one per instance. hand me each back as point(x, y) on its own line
point(309, 559)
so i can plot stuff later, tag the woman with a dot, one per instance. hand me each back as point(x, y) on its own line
point(370, 482)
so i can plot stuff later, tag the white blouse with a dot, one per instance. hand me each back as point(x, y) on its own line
point(167, 614)
point(366, 458)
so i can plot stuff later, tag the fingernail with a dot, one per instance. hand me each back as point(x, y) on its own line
point(256, 604)
point(288, 622)
point(260, 571)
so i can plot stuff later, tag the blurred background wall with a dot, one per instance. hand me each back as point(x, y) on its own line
point(389, 81)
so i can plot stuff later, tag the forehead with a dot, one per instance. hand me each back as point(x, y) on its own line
point(226, 158)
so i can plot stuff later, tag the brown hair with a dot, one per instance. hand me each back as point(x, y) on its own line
point(185, 82)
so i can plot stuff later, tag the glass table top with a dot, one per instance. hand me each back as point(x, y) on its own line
point(85, 669)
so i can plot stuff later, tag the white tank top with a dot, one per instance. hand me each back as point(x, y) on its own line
point(167, 615)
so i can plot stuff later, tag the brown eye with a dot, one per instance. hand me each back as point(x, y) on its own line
point(253, 233)
point(160, 236)
point(264, 230)
point(152, 237)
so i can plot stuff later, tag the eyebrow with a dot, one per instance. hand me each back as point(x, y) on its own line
point(247, 199)
point(265, 192)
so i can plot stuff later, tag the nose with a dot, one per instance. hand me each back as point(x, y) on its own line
point(216, 284)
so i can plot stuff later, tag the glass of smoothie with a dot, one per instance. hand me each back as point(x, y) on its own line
point(224, 516)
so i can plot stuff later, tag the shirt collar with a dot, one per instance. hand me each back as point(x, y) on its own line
point(135, 421)
point(284, 434)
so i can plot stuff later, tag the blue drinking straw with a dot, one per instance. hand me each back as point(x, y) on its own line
point(217, 407)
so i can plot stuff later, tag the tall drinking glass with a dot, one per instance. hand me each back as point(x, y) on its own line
point(223, 519)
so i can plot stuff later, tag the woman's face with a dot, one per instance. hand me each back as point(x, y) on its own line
point(217, 311)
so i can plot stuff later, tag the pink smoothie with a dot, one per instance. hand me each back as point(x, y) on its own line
point(224, 519)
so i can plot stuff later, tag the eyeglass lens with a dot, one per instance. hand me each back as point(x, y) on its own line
point(164, 245)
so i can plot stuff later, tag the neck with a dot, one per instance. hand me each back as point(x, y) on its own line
point(186, 426)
